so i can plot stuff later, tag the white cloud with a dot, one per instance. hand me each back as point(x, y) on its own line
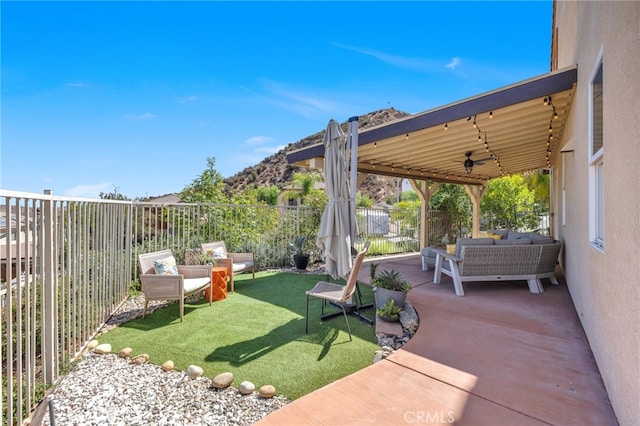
point(395, 60)
point(301, 103)
point(92, 191)
point(258, 140)
point(76, 84)
point(145, 116)
point(268, 150)
point(188, 99)
point(454, 63)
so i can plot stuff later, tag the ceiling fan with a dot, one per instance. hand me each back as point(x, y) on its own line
point(469, 163)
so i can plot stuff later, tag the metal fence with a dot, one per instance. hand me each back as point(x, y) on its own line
point(68, 263)
point(264, 230)
point(64, 269)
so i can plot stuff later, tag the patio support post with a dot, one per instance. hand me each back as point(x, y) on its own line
point(475, 192)
point(424, 193)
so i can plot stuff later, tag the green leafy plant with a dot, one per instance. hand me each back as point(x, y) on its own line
point(207, 259)
point(389, 310)
point(389, 279)
point(299, 245)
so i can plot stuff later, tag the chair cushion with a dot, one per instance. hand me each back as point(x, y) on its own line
point(194, 284)
point(166, 266)
point(242, 266)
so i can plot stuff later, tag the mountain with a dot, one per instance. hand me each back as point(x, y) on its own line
point(276, 171)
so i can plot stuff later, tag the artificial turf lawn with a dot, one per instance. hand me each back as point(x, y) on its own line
point(257, 333)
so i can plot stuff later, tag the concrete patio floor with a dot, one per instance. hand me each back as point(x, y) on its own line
point(500, 355)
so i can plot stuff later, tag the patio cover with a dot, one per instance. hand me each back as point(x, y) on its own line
point(519, 126)
point(334, 235)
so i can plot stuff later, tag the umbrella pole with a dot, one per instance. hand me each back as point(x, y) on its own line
point(352, 130)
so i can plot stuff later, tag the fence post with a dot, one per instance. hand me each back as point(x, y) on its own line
point(49, 292)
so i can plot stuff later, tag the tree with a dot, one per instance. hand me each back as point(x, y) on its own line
point(115, 195)
point(538, 183)
point(266, 194)
point(409, 195)
point(303, 186)
point(454, 200)
point(208, 187)
point(363, 200)
point(508, 203)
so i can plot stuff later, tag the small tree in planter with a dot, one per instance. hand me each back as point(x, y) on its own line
point(300, 256)
point(388, 284)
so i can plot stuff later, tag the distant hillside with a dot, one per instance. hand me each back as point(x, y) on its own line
point(275, 171)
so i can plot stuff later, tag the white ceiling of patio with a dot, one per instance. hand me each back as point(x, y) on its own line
point(514, 129)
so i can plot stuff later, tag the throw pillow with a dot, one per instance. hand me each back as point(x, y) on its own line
point(217, 253)
point(166, 266)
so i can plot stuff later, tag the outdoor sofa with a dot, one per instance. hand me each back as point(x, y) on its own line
point(503, 256)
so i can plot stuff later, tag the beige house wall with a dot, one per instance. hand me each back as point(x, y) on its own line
point(604, 284)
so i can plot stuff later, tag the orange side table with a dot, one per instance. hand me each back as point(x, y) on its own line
point(219, 280)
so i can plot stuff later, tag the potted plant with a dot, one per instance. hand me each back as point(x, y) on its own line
point(197, 257)
point(388, 284)
point(300, 256)
point(389, 311)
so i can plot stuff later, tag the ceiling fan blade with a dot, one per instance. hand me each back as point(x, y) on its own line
point(482, 161)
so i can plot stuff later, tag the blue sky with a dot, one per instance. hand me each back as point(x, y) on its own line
point(136, 95)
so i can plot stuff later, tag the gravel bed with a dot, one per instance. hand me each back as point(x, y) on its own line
point(109, 390)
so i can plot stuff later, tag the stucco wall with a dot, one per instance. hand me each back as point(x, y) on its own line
point(604, 284)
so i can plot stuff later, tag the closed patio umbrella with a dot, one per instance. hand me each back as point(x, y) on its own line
point(334, 236)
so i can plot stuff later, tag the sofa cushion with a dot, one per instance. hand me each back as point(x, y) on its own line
point(510, 242)
point(540, 239)
point(517, 235)
point(473, 242)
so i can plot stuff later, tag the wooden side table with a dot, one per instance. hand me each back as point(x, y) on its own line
point(219, 280)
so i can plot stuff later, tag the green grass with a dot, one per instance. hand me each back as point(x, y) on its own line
point(257, 333)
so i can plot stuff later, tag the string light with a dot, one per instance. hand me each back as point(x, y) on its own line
point(554, 116)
